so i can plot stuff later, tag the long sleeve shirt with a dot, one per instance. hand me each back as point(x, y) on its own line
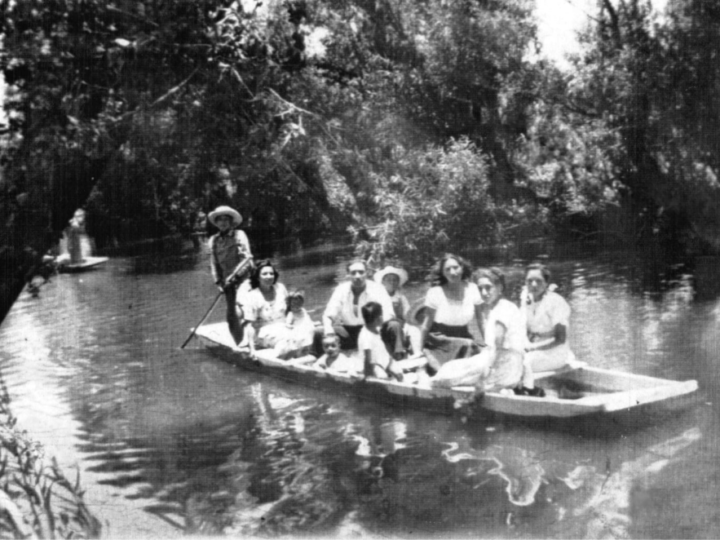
point(342, 310)
point(227, 251)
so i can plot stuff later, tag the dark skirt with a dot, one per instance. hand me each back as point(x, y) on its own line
point(445, 343)
point(348, 336)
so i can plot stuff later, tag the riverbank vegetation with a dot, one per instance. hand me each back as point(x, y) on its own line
point(36, 499)
point(421, 126)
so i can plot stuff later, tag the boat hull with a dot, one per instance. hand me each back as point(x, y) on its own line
point(89, 263)
point(591, 391)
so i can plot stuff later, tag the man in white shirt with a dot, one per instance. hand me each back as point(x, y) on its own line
point(342, 315)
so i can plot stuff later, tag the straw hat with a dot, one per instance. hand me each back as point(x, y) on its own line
point(399, 272)
point(225, 211)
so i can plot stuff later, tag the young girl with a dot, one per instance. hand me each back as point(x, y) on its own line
point(300, 328)
point(378, 362)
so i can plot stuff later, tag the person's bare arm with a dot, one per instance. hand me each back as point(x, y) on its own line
point(500, 332)
point(559, 337)
point(479, 321)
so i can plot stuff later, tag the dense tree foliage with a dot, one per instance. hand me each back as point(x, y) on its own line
point(424, 125)
point(645, 88)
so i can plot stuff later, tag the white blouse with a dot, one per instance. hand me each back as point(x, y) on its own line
point(508, 314)
point(258, 309)
point(453, 312)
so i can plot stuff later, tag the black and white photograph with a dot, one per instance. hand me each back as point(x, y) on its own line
point(384, 269)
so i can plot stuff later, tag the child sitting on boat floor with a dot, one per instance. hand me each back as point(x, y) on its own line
point(334, 359)
point(375, 342)
point(377, 361)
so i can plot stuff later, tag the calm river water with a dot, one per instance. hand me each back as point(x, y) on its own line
point(169, 442)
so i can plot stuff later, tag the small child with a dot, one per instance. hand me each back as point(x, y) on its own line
point(300, 328)
point(333, 359)
point(393, 279)
point(377, 361)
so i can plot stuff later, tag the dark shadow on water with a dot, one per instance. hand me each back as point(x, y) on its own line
point(706, 271)
point(163, 263)
point(320, 256)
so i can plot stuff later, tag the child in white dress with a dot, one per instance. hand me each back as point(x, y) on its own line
point(297, 340)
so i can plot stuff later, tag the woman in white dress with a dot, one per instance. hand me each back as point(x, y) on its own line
point(265, 307)
point(450, 306)
point(547, 322)
point(500, 364)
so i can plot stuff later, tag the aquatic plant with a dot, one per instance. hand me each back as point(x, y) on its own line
point(36, 499)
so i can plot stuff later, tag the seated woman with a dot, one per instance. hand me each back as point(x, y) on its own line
point(265, 308)
point(450, 306)
point(547, 320)
point(500, 364)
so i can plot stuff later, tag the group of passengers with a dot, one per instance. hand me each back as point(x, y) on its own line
point(374, 318)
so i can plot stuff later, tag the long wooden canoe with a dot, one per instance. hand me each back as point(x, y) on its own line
point(571, 392)
point(88, 263)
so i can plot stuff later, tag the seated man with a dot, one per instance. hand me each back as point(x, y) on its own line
point(343, 316)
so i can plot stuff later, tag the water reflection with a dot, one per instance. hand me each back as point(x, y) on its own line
point(205, 448)
point(590, 500)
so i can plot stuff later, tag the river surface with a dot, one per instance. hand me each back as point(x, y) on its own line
point(170, 442)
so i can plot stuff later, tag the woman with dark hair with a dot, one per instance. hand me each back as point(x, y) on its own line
point(547, 319)
point(450, 306)
point(265, 307)
point(500, 364)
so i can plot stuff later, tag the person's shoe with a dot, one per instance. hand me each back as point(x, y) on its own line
point(532, 392)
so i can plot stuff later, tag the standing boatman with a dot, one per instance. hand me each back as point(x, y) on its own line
point(229, 251)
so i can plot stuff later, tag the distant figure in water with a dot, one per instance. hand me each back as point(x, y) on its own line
point(77, 238)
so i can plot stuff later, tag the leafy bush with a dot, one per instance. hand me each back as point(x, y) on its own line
point(436, 199)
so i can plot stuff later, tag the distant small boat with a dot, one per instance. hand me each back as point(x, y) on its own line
point(88, 263)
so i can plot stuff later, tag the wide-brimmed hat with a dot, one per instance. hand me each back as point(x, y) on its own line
point(399, 272)
point(226, 211)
